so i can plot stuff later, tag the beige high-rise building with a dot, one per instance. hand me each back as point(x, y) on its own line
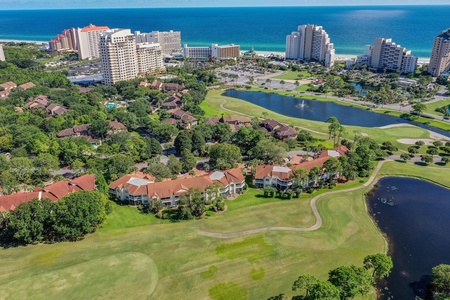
point(2, 54)
point(390, 56)
point(118, 55)
point(225, 51)
point(310, 43)
point(88, 41)
point(149, 57)
point(66, 41)
point(440, 55)
point(170, 41)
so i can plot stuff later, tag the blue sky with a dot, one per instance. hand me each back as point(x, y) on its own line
point(44, 4)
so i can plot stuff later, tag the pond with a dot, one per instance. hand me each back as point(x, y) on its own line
point(321, 110)
point(413, 214)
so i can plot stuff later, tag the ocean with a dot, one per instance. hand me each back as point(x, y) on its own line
point(265, 28)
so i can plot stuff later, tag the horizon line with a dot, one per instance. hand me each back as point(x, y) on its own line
point(246, 6)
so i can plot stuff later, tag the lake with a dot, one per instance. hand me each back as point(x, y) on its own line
point(414, 215)
point(321, 110)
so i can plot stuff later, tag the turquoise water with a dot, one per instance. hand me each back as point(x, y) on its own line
point(265, 28)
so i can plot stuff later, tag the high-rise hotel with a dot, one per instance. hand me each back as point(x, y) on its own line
point(310, 43)
point(124, 59)
point(118, 56)
point(2, 54)
point(440, 55)
point(170, 41)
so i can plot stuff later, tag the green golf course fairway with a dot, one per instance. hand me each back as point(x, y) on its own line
point(137, 256)
point(163, 260)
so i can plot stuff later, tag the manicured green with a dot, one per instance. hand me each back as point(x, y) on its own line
point(210, 273)
point(257, 274)
point(431, 108)
point(424, 120)
point(132, 252)
point(229, 290)
point(293, 75)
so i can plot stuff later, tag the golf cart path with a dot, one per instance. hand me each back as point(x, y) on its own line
point(316, 226)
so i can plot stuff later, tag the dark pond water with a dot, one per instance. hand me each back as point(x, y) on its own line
point(414, 215)
point(321, 110)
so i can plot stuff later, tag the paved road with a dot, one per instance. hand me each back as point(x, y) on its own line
point(316, 226)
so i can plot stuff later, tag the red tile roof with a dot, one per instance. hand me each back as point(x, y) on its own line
point(271, 171)
point(91, 27)
point(27, 85)
point(176, 187)
point(54, 191)
point(8, 85)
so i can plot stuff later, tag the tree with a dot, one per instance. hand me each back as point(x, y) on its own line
point(174, 164)
point(269, 191)
point(191, 205)
point(269, 152)
point(22, 168)
point(278, 297)
point(304, 136)
point(432, 150)
point(78, 214)
point(418, 108)
point(405, 157)
point(324, 290)
point(183, 141)
point(188, 161)
point(99, 128)
point(351, 280)
point(159, 170)
point(426, 159)
point(221, 132)
point(419, 143)
point(381, 264)
point(225, 156)
point(120, 165)
point(412, 150)
point(29, 222)
point(445, 160)
point(198, 142)
point(304, 283)
point(440, 279)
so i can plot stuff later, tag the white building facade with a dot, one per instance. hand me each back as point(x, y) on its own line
point(2, 53)
point(170, 41)
point(196, 52)
point(388, 55)
point(88, 41)
point(310, 43)
point(149, 57)
point(440, 54)
point(118, 56)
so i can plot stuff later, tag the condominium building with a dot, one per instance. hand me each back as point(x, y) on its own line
point(226, 51)
point(390, 56)
point(216, 51)
point(66, 41)
point(2, 54)
point(440, 55)
point(149, 57)
point(88, 41)
point(310, 43)
point(196, 52)
point(170, 41)
point(118, 56)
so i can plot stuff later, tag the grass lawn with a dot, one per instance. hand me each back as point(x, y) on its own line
point(431, 108)
point(319, 129)
point(135, 256)
point(423, 120)
point(293, 75)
